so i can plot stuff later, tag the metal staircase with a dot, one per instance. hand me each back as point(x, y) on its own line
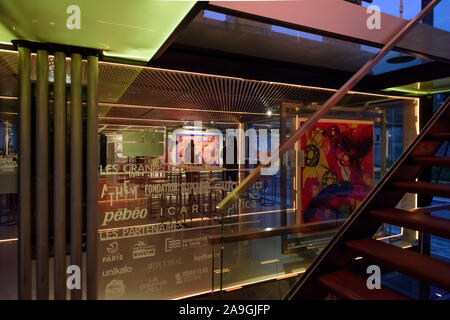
point(331, 271)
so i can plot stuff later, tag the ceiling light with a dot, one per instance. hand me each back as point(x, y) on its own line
point(401, 59)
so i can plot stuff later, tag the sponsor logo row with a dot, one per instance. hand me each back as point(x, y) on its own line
point(117, 288)
point(142, 249)
point(139, 250)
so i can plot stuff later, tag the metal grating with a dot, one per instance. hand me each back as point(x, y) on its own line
point(114, 80)
point(9, 66)
point(177, 89)
point(239, 100)
point(144, 94)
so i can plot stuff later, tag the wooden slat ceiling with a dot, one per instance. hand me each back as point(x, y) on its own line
point(145, 95)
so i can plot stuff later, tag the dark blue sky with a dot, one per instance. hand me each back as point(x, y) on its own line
point(412, 7)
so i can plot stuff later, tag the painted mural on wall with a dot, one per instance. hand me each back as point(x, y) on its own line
point(338, 170)
point(206, 148)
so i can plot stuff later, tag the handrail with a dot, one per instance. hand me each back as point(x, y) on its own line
point(228, 201)
point(365, 205)
point(432, 208)
point(306, 228)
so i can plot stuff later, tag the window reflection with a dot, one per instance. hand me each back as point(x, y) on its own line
point(9, 148)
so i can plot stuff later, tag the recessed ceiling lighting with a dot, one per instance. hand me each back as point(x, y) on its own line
point(401, 59)
point(269, 112)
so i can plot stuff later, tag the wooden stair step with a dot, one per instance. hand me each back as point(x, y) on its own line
point(420, 267)
point(428, 188)
point(443, 162)
point(439, 136)
point(348, 285)
point(414, 220)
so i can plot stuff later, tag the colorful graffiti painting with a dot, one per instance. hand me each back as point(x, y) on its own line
point(338, 170)
point(206, 148)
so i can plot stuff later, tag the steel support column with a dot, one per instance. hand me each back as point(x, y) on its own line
point(59, 176)
point(25, 175)
point(42, 264)
point(92, 161)
point(424, 243)
point(36, 182)
point(283, 178)
point(241, 166)
point(283, 168)
point(76, 164)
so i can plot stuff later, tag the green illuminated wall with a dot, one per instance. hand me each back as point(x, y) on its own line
point(423, 88)
point(133, 29)
point(140, 144)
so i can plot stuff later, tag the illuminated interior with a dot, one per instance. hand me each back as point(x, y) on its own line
point(190, 102)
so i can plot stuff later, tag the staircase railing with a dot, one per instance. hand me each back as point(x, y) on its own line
point(398, 35)
point(344, 232)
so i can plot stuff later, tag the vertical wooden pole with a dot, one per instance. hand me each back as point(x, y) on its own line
point(59, 176)
point(92, 175)
point(42, 264)
point(76, 164)
point(25, 175)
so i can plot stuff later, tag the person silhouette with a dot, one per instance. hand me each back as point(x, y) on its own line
point(231, 165)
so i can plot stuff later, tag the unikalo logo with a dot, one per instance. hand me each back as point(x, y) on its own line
point(114, 289)
point(112, 253)
point(143, 250)
point(117, 271)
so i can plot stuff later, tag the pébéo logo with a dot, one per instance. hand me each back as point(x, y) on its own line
point(124, 214)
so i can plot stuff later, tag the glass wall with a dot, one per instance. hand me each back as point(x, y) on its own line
point(9, 164)
point(174, 219)
point(174, 145)
point(158, 191)
point(157, 208)
point(322, 180)
point(8, 167)
point(165, 171)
